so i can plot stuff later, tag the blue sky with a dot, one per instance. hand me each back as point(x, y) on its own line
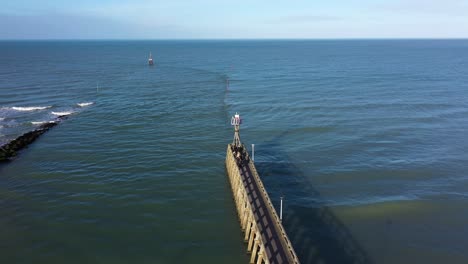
point(208, 19)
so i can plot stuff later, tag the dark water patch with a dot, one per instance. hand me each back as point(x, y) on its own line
point(317, 234)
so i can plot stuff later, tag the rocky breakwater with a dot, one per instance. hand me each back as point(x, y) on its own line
point(11, 149)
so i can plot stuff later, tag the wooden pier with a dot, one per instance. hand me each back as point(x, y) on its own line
point(266, 239)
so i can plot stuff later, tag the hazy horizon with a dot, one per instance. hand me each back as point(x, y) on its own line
point(225, 39)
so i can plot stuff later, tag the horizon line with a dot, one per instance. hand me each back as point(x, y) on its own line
point(230, 39)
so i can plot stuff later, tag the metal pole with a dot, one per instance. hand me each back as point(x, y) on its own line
point(281, 209)
point(253, 152)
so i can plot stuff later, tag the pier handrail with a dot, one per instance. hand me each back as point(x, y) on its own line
point(287, 243)
point(248, 205)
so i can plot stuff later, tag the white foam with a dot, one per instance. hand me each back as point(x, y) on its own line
point(38, 122)
point(85, 104)
point(29, 108)
point(1, 118)
point(41, 122)
point(62, 113)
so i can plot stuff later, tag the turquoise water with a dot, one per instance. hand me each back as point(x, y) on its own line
point(364, 139)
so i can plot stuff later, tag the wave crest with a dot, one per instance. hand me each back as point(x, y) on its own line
point(29, 108)
point(85, 104)
point(62, 113)
point(41, 122)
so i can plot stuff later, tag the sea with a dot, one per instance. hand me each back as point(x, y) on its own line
point(365, 141)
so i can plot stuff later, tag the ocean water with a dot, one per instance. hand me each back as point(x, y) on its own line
point(365, 140)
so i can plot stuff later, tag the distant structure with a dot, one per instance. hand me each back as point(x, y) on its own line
point(150, 60)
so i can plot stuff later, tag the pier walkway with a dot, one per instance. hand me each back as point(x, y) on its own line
point(264, 234)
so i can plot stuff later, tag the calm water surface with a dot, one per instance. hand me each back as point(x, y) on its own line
point(366, 140)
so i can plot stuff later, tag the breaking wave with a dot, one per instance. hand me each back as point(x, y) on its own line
point(29, 108)
point(85, 104)
point(62, 113)
point(41, 122)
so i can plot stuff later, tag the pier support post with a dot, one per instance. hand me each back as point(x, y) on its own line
point(244, 212)
point(249, 227)
point(239, 202)
point(260, 256)
point(251, 238)
point(254, 251)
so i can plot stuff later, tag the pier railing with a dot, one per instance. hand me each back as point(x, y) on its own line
point(245, 212)
point(271, 209)
point(248, 217)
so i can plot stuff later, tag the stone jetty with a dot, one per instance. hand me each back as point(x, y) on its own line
point(11, 149)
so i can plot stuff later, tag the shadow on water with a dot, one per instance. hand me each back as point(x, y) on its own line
point(317, 234)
